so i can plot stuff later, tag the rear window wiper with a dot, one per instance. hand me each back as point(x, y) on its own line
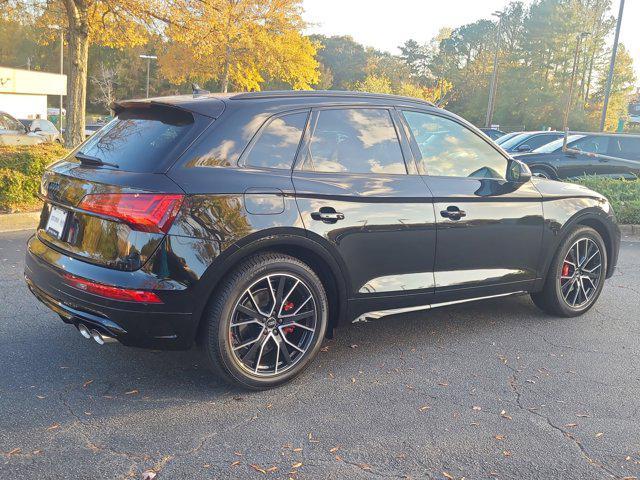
point(91, 160)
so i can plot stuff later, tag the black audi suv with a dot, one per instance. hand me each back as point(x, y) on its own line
point(254, 224)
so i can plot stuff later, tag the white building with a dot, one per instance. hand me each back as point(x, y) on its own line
point(23, 93)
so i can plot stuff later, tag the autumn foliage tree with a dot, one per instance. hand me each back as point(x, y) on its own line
point(242, 43)
point(118, 24)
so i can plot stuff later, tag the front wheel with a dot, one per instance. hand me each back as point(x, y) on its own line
point(576, 274)
point(266, 322)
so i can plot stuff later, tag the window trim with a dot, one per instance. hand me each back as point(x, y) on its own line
point(416, 149)
point(242, 159)
point(313, 122)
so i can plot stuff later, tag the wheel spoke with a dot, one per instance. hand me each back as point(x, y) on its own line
point(250, 342)
point(287, 319)
point(248, 311)
point(282, 346)
point(289, 343)
point(247, 322)
point(284, 300)
point(273, 296)
point(264, 342)
point(255, 303)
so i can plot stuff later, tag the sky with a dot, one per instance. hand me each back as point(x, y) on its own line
point(387, 24)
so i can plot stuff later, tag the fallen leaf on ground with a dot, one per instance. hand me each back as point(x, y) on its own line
point(14, 451)
point(364, 466)
point(477, 408)
point(448, 475)
point(506, 453)
point(424, 408)
point(236, 463)
point(443, 384)
point(324, 349)
point(499, 437)
point(53, 426)
point(297, 449)
point(272, 469)
point(296, 465)
point(504, 414)
point(238, 453)
point(334, 449)
point(87, 383)
point(599, 434)
point(257, 468)
point(132, 392)
point(583, 415)
point(570, 425)
point(148, 475)
point(353, 346)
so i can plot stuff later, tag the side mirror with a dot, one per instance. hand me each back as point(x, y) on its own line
point(37, 129)
point(518, 172)
point(523, 148)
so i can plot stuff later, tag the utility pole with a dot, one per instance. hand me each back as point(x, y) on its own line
point(149, 58)
point(58, 27)
point(494, 77)
point(567, 108)
point(607, 90)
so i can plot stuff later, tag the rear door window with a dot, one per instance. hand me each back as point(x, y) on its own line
point(625, 147)
point(277, 143)
point(143, 139)
point(355, 140)
point(591, 144)
point(539, 140)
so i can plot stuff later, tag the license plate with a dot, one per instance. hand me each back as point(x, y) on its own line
point(57, 219)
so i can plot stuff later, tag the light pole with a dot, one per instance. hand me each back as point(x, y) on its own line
point(149, 58)
point(567, 108)
point(58, 27)
point(612, 65)
point(494, 77)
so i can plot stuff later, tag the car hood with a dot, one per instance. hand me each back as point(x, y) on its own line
point(554, 189)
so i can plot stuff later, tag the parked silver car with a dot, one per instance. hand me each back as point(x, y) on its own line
point(12, 132)
point(43, 128)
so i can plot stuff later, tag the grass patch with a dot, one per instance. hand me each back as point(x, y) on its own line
point(624, 196)
point(21, 169)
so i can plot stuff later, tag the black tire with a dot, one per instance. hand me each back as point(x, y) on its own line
point(217, 339)
point(542, 172)
point(551, 299)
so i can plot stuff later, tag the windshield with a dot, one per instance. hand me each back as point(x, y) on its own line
point(513, 141)
point(141, 139)
point(504, 138)
point(557, 144)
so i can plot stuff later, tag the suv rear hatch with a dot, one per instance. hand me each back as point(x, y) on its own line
point(109, 202)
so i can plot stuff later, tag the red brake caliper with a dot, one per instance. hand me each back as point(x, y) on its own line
point(565, 270)
point(287, 307)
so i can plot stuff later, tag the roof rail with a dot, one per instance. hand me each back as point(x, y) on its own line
point(324, 93)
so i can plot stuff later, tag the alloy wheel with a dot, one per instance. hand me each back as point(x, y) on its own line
point(581, 272)
point(273, 324)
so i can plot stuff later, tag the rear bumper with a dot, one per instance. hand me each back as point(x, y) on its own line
point(167, 326)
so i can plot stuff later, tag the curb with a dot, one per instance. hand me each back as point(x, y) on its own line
point(630, 230)
point(13, 222)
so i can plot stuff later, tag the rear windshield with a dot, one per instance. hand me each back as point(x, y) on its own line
point(142, 139)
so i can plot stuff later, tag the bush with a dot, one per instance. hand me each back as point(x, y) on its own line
point(21, 169)
point(624, 196)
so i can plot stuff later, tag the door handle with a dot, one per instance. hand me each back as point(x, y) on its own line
point(327, 215)
point(453, 213)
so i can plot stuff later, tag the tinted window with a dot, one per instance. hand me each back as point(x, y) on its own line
point(44, 125)
point(138, 140)
point(512, 142)
point(591, 144)
point(625, 147)
point(450, 149)
point(556, 145)
point(357, 140)
point(278, 142)
point(537, 141)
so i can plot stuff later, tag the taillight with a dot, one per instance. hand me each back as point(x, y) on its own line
point(108, 291)
point(147, 212)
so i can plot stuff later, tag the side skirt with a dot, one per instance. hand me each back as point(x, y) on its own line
point(365, 317)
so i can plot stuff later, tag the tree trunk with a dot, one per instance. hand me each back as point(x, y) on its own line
point(78, 38)
point(225, 71)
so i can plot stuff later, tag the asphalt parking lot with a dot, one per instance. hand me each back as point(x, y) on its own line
point(487, 390)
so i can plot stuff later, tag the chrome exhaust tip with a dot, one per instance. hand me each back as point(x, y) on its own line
point(97, 337)
point(84, 331)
